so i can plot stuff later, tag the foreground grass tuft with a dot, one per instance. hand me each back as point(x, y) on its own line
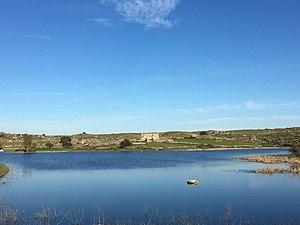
point(50, 216)
point(4, 169)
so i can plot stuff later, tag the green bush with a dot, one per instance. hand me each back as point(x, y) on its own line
point(125, 143)
point(49, 145)
point(27, 142)
point(65, 141)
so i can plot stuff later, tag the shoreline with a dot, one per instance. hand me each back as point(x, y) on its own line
point(148, 149)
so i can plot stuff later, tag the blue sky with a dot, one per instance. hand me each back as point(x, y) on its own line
point(148, 65)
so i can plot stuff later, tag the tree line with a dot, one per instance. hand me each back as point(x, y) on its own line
point(30, 145)
point(65, 142)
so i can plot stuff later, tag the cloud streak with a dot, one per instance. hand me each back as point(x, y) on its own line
point(106, 22)
point(150, 13)
point(37, 36)
point(230, 123)
point(249, 105)
point(276, 118)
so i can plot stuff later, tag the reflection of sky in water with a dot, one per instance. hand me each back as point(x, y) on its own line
point(157, 182)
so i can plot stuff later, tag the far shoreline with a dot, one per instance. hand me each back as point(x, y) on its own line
point(147, 150)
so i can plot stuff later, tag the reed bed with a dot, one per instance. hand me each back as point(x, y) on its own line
point(291, 160)
point(50, 216)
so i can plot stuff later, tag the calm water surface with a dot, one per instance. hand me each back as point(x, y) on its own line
point(126, 182)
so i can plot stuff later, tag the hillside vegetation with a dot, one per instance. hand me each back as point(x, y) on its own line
point(168, 140)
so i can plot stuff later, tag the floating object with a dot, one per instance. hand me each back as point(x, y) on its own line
point(192, 182)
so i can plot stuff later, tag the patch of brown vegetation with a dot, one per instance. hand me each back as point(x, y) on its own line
point(273, 159)
point(293, 161)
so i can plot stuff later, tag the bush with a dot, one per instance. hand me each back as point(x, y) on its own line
point(189, 137)
point(49, 145)
point(125, 143)
point(65, 141)
point(27, 142)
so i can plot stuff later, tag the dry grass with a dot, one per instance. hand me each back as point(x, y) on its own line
point(293, 161)
point(273, 159)
point(49, 216)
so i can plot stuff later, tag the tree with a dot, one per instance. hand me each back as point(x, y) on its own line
point(65, 141)
point(2, 134)
point(203, 133)
point(125, 143)
point(27, 142)
point(49, 145)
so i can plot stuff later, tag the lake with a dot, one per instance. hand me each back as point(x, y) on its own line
point(130, 185)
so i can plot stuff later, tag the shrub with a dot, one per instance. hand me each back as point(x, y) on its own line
point(27, 142)
point(125, 143)
point(65, 141)
point(49, 145)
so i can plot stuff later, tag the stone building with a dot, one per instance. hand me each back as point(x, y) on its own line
point(150, 137)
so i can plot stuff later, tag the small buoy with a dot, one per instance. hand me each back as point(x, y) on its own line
point(192, 182)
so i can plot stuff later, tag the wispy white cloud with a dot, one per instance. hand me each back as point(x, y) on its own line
point(37, 36)
point(249, 105)
point(170, 78)
point(227, 123)
point(254, 105)
point(46, 93)
point(150, 13)
point(277, 118)
point(101, 21)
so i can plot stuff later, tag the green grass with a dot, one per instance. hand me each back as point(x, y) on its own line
point(4, 169)
point(164, 145)
point(194, 143)
point(216, 142)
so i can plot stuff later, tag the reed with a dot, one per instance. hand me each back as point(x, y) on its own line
point(50, 216)
point(292, 160)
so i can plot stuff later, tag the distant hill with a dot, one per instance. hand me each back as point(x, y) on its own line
point(167, 140)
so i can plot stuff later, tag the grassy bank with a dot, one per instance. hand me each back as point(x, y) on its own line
point(4, 169)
